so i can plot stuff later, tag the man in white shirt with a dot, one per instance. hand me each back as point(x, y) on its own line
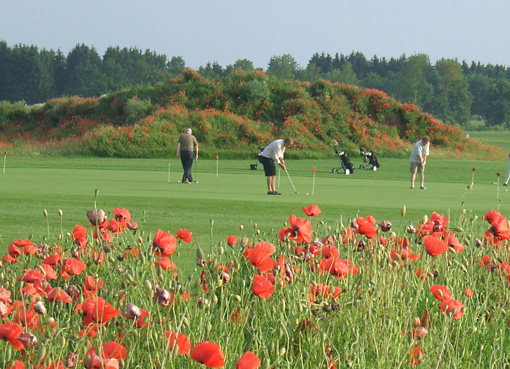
point(419, 159)
point(269, 157)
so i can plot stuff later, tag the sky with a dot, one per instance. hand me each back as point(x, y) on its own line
point(224, 31)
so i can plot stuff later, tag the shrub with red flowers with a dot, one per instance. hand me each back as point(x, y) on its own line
point(233, 116)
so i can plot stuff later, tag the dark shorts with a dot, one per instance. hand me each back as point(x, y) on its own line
point(269, 166)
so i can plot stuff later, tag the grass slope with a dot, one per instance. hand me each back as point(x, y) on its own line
point(237, 195)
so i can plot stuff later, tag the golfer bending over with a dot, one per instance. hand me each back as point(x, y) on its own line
point(419, 159)
point(269, 157)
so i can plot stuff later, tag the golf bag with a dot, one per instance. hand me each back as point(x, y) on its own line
point(370, 158)
point(347, 166)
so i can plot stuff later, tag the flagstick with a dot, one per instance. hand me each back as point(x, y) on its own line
point(279, 169)
point(168, 170)
point(498, 189)
point(217, 157)
point(313, 182)
point(5, 157)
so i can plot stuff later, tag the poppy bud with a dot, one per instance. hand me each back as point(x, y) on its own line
point(45, 213)
point(71, 360)
point(39, 308)
point(132, 311)
point(237, 298)
point(416, 322)
point(241, 227)
point(96, 217)
point(403, 211)
point(147, 285)
point(200, 253)
point(60, 213)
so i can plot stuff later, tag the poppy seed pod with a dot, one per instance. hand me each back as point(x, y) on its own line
point(96, 217)
point(39, 308)
point(132, 311)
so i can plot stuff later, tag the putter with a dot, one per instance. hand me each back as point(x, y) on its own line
point(196, 175)
point(292, 183)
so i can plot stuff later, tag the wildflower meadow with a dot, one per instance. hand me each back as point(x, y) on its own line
point(364, 291)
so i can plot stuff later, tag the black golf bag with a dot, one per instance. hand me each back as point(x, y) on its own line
point(347, 166)
point(370, 158)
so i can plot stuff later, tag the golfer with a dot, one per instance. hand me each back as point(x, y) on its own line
point(185, 145)
point(507, 176)
point(269, 157)
point(419, 159)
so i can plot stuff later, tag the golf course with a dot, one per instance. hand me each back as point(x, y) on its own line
point(230, 194)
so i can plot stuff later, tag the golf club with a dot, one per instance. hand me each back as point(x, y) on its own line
point(292, 183)
point(196, 172)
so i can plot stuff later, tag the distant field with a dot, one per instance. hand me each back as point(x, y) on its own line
point(496, 138)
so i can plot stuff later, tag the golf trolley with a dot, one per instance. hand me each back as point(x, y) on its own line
point(347, 166)
point(370, 158)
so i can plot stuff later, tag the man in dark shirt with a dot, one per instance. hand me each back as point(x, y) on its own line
point(185, 145)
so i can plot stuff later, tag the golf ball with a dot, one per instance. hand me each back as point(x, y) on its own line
point(178, 181)
point(307, 194)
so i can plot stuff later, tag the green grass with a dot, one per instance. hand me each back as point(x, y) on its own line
point(494, 138)
point(368, 325)
point(237, 195)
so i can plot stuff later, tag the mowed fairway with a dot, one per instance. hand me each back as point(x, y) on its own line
point(233, 195)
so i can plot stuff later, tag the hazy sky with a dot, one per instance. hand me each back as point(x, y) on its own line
point(224, 31)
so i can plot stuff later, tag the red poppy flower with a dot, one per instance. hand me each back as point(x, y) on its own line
point(468, 292)
point(122, 216)
point(114, 350)
point(92, 285)
point(209, 354)
point(338, 267)
point(96, 312)
point(434, 246)
point(440, 292)
point(49, 272)
point(183, 342)
point(231, 240)
point(10, 332)
point(248, 361)
point(499, 229)
point(367, 226)
point(324, 291)
point(184, 235)
point(58, 295)
point(53, 260)
point(80, 235)
point(312, 210)
point(262, 287)
point(5, 296)
point(73, 266)
point(452, 306)
point(14, 251)
point(31, 276)
point(454, 243)
point(115, 227)
point(417, 356)
point(300, 229)
point(405, 253)
point(491, 216)
point(330, 252)
point(260, 256)
point(164, 244)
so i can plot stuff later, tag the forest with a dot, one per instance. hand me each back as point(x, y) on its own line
point(452, 91)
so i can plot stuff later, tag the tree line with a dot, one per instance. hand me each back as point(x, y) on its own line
point(453, 91)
